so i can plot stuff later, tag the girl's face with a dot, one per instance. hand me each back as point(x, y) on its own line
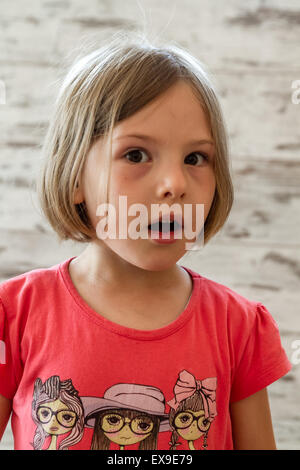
point(56, 418)
point(167, 166)
point(125, 431)
point(191, 425)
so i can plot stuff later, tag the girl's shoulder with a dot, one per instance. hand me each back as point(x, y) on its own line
point(222, 300)
point(19, 289)
point(247, 325)
point(29, 277)
point(220, 292)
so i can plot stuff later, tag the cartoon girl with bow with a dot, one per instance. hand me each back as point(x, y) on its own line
point(193, 409)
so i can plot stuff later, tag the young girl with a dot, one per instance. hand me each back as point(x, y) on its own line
point(193, 409)
point(142, 123)
point(127, 415)
point(56, 410)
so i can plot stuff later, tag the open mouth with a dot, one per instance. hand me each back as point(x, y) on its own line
point(164, 226)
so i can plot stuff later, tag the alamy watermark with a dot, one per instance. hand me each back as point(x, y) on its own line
point(165, 223)
point(2, 352)
point(2, 92)
point(296, 94)
point(295, 359)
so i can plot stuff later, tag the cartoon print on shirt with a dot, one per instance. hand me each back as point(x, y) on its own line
point(126, 414)
point(56, 410)
point(192, 409)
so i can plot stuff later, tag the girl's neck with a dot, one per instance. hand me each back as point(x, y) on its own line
point(53, 443)
point(191, 445)
point(135, 306)
point(100, 266)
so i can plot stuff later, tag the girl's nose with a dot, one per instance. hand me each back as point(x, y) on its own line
point(171, 182)
point(53, 421)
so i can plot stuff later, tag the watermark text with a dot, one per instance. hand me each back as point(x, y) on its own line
point(295, 359)
point(2, 92)
point(165, 222)
point(296, 93)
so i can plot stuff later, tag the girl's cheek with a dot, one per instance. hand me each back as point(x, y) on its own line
point(130, 173)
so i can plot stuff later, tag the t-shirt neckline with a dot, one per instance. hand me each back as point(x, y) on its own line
point(133, 333)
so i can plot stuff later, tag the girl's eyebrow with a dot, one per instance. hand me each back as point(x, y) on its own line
point(147, 137)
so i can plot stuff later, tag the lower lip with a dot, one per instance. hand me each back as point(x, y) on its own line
point(159, 237)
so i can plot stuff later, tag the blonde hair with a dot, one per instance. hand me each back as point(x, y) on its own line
point(102, 88)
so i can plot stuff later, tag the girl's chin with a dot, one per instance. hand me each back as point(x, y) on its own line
point(190, 438)
point(149, 257)
point(157, 263)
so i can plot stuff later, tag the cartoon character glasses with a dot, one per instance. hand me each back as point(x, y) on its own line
point(184, 419)
point(114, 422)
point(65, 418)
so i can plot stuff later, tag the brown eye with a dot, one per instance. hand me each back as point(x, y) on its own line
point(44, 414)
point(67, 417)
point(194, 160)
point(112, 423)
point(203, 424)
point(113, 420)
point(142, 425)
point(183, 420)
point(135, 155)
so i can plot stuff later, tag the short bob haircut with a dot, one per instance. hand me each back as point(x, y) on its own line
point(102, 88)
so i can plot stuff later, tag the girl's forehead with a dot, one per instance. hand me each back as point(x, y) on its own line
point(182, 117)
point(195, 413)
point(178, 101)
point(55, 405)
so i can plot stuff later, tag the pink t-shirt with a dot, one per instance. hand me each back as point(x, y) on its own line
point(80, 381)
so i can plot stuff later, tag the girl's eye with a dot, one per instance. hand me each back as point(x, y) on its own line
point(135, 155)
point(67, 417)
point(184, 418)
point(144, 426)
point(194, 161)
point(113, 420)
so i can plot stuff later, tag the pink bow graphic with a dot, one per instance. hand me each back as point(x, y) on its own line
point(186, 386)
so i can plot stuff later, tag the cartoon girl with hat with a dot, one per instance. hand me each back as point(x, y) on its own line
point(193, 409)
point(127, 414)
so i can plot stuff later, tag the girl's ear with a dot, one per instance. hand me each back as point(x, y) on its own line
point(78, 196)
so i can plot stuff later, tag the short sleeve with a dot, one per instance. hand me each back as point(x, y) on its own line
point(7, 376)
point(263, 359)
